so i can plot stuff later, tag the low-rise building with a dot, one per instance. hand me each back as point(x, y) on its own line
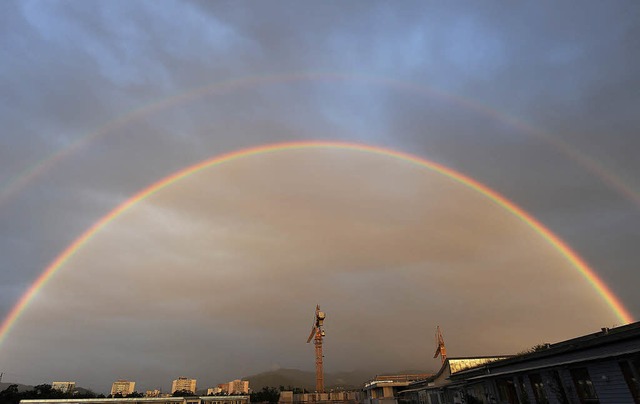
point(286, 397)
point(385, 389)
point(342, 397)
point(214, 390)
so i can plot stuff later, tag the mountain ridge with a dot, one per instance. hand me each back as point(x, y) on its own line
point(295, 378)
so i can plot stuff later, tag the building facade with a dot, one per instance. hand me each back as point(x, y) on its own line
point(65, 387)
point(334, 397)
point(599, 368)
point(214, 390)
point(183, 383)
point(238, 387)
point(385, 389)
point(123, 387)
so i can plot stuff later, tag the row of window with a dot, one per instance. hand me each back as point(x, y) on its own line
point(514, 390)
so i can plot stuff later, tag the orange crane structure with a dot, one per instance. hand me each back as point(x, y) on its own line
point(317, 334)
point(440, 349)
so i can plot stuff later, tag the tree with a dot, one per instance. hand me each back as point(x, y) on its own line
point(266, 395)
point(10, 395)
point(183, 393)
point(536, 348)
point(10, 391)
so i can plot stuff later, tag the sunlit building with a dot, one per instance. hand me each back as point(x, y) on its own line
point(238, 387)
point(65, 387)
point(385, 388)
point(603, 368)
point(234, 387)
point(183, 383)
point(123, 387)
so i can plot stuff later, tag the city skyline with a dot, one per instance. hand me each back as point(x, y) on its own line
point(404, 166)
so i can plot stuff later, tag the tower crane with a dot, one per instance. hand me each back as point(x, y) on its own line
point(440, 349)
point(317, 334)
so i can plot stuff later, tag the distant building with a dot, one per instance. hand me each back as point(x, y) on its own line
point(234, 387)
point(238, 387)
point(384, 389)
point(183, 383)
point(286, 397)
point(342, 397)
point(65, 387)
point(214, 390)
point(123, 387)
point(147, 400)
point(153, 393)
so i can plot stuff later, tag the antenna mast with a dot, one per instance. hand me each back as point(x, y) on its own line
point(317, 334)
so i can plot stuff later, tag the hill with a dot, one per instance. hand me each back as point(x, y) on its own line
point(21, 387)
point(287, 378)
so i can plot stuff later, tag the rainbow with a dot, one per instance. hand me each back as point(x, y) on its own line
point(607, 176)
point(588, 273)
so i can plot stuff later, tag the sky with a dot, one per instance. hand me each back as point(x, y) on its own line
point(216, 276)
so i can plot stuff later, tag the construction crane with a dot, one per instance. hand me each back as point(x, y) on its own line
point(440, 349)
point(317, 333)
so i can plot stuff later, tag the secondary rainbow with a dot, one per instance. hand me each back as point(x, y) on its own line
point(588, 273)
point(14, 185)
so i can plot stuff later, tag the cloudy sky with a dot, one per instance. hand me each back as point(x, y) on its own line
point(217, 275)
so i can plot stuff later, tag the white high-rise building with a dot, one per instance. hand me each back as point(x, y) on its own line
point(183, 383)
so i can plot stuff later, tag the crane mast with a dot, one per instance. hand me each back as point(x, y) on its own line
point(317, 334)
point(440, 349)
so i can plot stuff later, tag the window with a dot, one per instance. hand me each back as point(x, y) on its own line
point(538, 389)
point(507, 391)
point(557, 388)
point(524, 396)
point(584, 386)
point(631, 372)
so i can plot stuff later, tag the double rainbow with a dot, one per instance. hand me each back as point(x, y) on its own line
point(588, 273)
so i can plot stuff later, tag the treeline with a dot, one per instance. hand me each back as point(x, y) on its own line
point(11, 395)
point(272, 395)
point(266, 395)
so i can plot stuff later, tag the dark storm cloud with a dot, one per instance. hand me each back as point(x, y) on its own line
point(68, 69)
